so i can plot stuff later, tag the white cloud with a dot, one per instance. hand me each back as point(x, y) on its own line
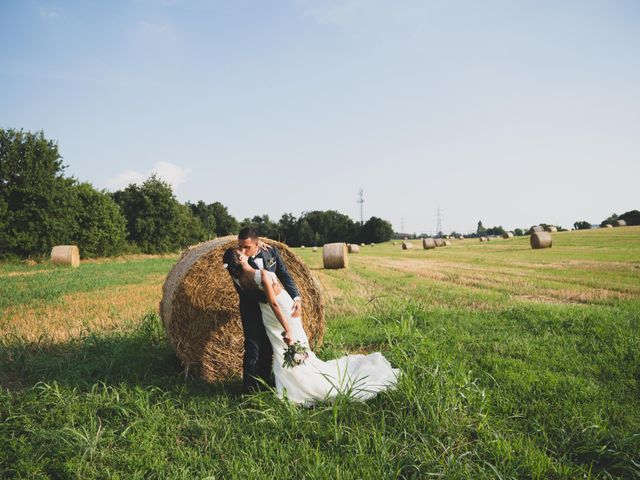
point(48, 12)
point(125, 178)
point(173, 174)
point(170, 173)
point(154, 29)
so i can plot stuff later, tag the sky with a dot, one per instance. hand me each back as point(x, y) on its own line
point(510, 112)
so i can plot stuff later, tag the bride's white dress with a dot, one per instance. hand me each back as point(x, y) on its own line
point(359, 376)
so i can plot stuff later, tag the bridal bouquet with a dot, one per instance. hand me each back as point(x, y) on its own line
point(294, 354)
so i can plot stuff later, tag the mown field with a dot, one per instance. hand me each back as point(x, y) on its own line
point(517, 364)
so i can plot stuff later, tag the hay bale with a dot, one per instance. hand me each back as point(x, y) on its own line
point(373, 244)
point(536, 228)
point(362, 244)
point(395, 243)
point(620, 223)
point(65, 255)
point(507, 235)
point(484, 239)
point(428, 243)
point(608, 225)
point(314, 249)
point(302, 247)
point(407, 245)
point(540, 240)
point(552, 229)
point(334, 255)
point(353, 248)
point(447, 243)
point(439, 242)
point(199, 308)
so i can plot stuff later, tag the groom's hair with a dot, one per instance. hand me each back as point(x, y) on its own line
point(248, 232)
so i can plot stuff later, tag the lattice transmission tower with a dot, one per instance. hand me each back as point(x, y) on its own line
point(439, 218)
point(361, 202)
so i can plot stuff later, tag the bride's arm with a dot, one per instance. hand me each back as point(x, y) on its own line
point(275, 306)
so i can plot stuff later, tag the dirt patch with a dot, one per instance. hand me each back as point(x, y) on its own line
point(23, 274)
point(129, 258)
point(108, 309)
point(518, 282)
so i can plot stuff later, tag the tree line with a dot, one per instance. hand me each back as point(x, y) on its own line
point(40, 208)
point(632, 217)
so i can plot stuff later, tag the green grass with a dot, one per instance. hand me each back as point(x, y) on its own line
point(51, 282)
point(495, 384)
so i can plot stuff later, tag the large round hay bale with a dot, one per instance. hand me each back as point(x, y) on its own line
point(373, 244)
point(540, 240)
point(302, 247)
point(65, 255)
point(334, 255)
point(552, 229)
point(362, 244)
point(428, 243)
point(314, 249)
point(353, 248)
point(507, 235)
point(484, 239)
point(395, 243)
point(439, 242)
point(447, 243)
point(536, 228)
point(199, 308)
point(620, 223)
point(608, 225)
point(407, 245)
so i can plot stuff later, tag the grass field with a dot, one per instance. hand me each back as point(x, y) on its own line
point(517, 363)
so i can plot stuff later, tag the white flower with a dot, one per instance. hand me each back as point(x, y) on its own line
point(299, 358)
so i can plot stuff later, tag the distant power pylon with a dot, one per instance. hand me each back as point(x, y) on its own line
point(361, 201)
point(439, 218)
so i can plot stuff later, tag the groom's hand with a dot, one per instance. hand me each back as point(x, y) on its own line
point(297, 308)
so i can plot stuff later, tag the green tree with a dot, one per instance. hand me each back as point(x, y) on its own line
point(263, 225)
point(189, 229)
point(288, 227)
point(376, 230)
point(331, 226)
point(207, 215)
point(582, 225)
point(37, 203)
point(611, 220)
point(306, 235)
point(632, 217)
point(156, 221)
point(226, 224)
point(497, 231)
point(100, 226)
point(481, 231)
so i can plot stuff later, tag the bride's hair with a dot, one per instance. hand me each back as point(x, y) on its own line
point(233, 264)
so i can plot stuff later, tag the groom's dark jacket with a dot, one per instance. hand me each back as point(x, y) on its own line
point(272, 262)
point(257, 347)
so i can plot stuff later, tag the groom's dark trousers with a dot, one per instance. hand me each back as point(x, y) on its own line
point(258, 354)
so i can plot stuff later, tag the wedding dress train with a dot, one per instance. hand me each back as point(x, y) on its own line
point(359, 376)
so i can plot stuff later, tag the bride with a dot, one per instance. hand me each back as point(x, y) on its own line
point(314, 380)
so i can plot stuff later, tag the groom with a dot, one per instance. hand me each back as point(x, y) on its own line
point(257, 348)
